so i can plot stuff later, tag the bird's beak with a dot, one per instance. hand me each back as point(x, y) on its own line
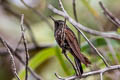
point(52, 18)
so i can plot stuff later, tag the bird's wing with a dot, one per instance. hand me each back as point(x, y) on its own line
point(73, 43)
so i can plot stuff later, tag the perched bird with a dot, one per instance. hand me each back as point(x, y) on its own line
point(67, 40)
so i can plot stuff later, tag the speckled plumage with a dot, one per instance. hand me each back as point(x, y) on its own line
point(67, 40)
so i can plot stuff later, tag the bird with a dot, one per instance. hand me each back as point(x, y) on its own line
point(67, 41)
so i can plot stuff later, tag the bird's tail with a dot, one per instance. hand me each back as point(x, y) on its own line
point(79, 68)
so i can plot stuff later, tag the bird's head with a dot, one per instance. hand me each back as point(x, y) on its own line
point(58, 23)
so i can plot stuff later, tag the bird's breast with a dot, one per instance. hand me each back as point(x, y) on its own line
point(59, 39)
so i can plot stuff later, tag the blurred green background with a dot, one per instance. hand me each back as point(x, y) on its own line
point(49, 60)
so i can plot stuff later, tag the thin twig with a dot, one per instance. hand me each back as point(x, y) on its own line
point(107, 69)
point(74, 10)
point(25, 45)
point(108, 42)
point(99, 54)
point(70, 62)
point(31, 47)
point(75, 16)
point(37, 77)
point(38, 13)
point(101, 76)
point(109, 15)
point(60, 78)
point(18, 16)
point(12, 61)
point(60, 4)
point(81, 27)
point(78, 34)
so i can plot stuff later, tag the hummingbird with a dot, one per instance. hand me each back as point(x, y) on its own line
point(67, 41)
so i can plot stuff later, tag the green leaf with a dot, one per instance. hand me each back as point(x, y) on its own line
point(97, 43)
point(45, 54)
point(89, 7)
point(118, 30)
point(39, 58)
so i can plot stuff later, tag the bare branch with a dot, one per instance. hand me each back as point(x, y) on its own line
point(81, 27)
point(107, 69)
point(60, 78)
point(31, 47)
point(37, 77)
point(74, 10)
point(12, 61)
point(78, 34)
point(115, 21)
point(109, 15)
point(18, 16)
point(95, 49)
point(101, 76)
point(25, 45)
point(75, 15)
point(60, 4)
point(38, 13)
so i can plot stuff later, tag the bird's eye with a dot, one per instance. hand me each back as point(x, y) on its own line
point(57, 24)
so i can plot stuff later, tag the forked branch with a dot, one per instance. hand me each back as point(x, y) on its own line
point(77, 27)
point(97, 72)
point(83, 28)
point(25, 45)
point(12, 61)
point(109, 15)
